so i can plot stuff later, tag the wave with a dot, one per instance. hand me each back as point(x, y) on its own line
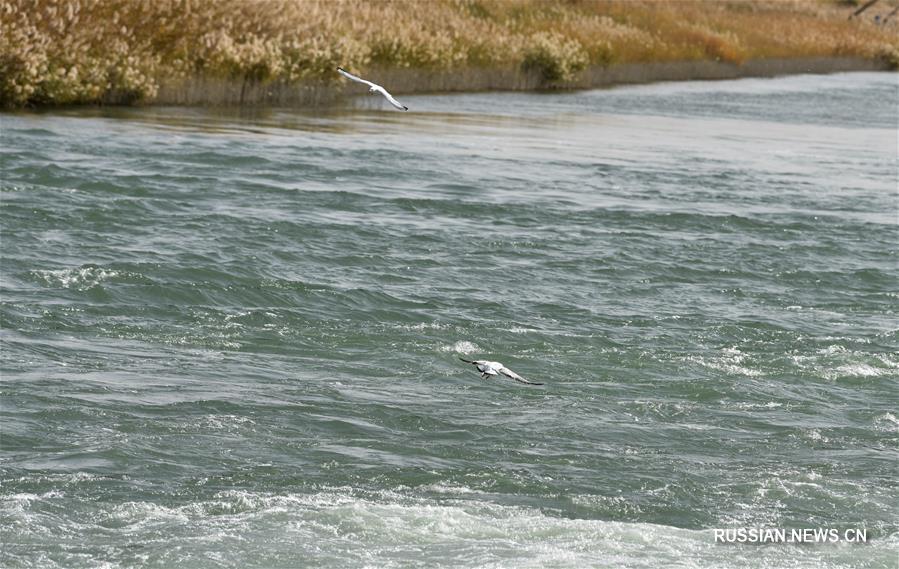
point(461, 347)
point(346, 527)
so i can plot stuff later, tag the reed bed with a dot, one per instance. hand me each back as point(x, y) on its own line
point(126, 51)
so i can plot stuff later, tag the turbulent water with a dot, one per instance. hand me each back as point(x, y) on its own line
point(233, 340)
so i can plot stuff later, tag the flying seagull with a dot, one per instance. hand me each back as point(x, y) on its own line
point(373, 89)
point(488, 369)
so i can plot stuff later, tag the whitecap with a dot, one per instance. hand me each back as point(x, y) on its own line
point(730, 362)
point(855, 370)
point(341, 526)
point(521, 330)
point(461, 347)
point(81, 278)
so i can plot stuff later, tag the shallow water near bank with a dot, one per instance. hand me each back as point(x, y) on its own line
point(231, 338)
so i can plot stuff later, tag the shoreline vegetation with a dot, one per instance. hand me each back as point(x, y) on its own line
point(284, 52)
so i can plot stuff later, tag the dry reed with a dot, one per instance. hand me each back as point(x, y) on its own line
point(122, 51)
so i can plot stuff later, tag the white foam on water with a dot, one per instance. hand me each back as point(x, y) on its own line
point(141, 515)
point(815, 435)
point(836, 362)
point(21, 502)
point(80, 278)
point(345, 527)
point(28, 497)
point(521, 330)
point(887, 423)
point(730, 361)
point(461, 347)
point(421, 326)
point(747, 406)
point(856, 370)
point(450, 489)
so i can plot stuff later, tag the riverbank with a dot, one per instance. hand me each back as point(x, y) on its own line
point(55, 52)
point(216, 91)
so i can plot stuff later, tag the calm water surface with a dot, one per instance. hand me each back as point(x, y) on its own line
point(232, 340)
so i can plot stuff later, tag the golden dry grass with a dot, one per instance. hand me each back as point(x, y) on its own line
point(84, 51)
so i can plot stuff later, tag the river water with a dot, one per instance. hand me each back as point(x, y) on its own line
point(231, 339)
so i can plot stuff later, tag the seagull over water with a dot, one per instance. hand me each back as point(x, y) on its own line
point(373, 88)
point(488, 369)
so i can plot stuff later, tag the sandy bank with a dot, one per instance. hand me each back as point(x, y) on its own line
point(202, 91)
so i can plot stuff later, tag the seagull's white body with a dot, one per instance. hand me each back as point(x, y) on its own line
point(489, 369)
point(373, 88)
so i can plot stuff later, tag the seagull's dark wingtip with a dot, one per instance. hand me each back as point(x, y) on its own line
point(405, 108)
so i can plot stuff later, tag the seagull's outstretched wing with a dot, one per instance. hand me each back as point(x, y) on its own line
point(475, 362)
point(509, 373)
point(390, 98)
point(352, 77)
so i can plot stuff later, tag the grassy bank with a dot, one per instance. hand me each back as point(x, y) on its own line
point(192, 51)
